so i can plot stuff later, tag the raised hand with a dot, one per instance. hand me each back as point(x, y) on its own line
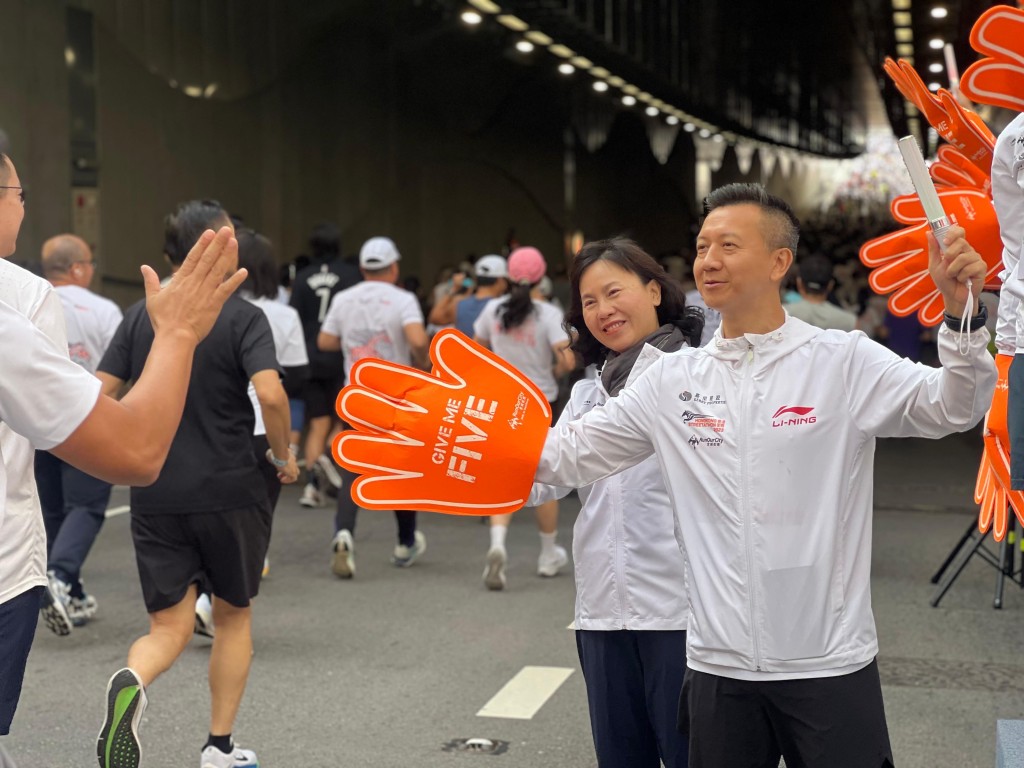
point(952, 168)
point(191, 302)
point(900, 259)
point(997, 79)
point(464, 439)
point(992, 490)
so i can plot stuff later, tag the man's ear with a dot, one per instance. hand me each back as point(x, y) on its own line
point(782, 260)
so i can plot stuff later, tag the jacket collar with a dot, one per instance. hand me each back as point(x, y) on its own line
point(792, 334)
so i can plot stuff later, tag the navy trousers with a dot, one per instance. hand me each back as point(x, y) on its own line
point(633, 683)
point(18, 618)
point(74, 505)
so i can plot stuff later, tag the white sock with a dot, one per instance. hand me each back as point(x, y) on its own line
point(498, 536)
point(547, 542)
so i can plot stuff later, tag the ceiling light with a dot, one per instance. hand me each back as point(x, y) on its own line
point(672, 120)
point(616, 82)
point(513, 22)
point(933, 86)
point(628, 100)
point(718, 138)
point(566, 68)
point(936, 44)
point(939, 12)
point(704, 133)
point(902, 18)
point(600, 72)
point(471, 17)
point(632, 90)
point(581, 62)
point(486, 6)
point(194, 91)
point(652, 111)
point(904, 34)
point(912, 109)
point(689, 127)
point(209, 90)
point(560, 50)
point(524, 46)
point(905, 50)
point(935, 67)
point(901, 5)
point(600, 86)
point(535, 36)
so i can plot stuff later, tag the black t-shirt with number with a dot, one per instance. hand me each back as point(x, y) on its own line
point(211, 466)
point(312, 291)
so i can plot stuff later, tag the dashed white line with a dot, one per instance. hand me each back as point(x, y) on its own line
point(523, 696)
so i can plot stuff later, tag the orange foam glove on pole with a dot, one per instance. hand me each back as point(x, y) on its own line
point(900, 259)
point(465, 439)
point(998, 78)
point(992, 490)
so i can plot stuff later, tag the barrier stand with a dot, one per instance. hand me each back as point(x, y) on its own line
point(973, 543)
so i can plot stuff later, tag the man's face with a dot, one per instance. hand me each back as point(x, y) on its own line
point(735, 267)
point(12, 211)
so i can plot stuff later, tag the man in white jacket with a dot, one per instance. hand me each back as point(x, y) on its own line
point(766, 439)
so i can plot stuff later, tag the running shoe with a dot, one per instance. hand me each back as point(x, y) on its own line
point(204, 616)
point(54, 609)
point(118, 742)
point(551, 564)
point(266, 567)
point(405, 556)
point(329, 471)
point(311, 497)
point(343, 563)
point(237, 758)
point(494, 571)
point(82, 609)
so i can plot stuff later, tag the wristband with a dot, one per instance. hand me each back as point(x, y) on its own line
point(279, 463)
point(977, 322)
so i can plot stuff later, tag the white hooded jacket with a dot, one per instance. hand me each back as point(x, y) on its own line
point(630, 569)
point(766, 443)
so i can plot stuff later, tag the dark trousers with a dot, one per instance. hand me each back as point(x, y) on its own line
point(1015, 421)
point(74, 505)
point(633, 682)
point(819, 722)
point(18, 618)
point(345, 517)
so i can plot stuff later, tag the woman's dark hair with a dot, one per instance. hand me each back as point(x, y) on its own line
point(631, 257)
point(325, 242)
point(519, 306)
point(183, 227)
point(256, 254)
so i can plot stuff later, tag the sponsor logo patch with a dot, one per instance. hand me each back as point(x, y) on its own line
point(793, 415)
point(702, 421)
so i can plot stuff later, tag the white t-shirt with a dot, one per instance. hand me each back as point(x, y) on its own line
point(528, 347)
point(44, 397)
point(289, 344)
point(370, 319)
point(91, 321)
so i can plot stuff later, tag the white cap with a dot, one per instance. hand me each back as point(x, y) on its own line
point(377, 253)
point(491, 266)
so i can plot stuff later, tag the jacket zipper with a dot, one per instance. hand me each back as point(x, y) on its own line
point(745, 506)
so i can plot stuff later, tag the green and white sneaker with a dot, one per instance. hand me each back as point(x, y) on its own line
point(118, 742)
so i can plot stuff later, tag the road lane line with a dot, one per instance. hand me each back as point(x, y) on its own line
point(523, 696)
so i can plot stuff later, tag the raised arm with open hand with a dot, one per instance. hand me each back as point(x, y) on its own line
point(464, 439)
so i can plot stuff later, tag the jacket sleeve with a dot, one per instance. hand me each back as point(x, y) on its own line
point(606, 440)
point(892, 397)
point(542, 492)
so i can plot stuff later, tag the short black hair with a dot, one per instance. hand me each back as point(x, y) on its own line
point(5, 169)
point(325, 241)
point(816, 273)
point(256, 254)
point(783, 230)
point(183, 227)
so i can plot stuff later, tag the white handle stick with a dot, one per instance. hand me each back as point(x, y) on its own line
point(951, 70)
point(924, 187)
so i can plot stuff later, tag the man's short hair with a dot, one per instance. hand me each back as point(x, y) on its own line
point(5, 170)
point(816, 273)
point(183, 227)
point(782, 228)
point(60, 252)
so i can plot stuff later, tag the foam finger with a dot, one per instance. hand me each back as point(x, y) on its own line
point(369, 409)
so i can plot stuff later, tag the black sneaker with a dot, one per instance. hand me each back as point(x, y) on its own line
point(118, 742)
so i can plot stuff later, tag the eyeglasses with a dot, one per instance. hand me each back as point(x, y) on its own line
point(21, 192)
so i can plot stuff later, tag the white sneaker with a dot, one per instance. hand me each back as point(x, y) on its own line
point(81, 610)
point(311, 497)
point(405, 556)
point(343, 564)
point(54, 609)
point(238, 758)
point(204, 616)
point(551, 564)
point(329, 469)
point(494, 571)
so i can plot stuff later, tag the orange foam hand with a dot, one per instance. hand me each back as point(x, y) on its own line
point(992, 490)
point(998, 78)
point(959, 126)
point(952, 168)
point(900, 259)
point(464, 439)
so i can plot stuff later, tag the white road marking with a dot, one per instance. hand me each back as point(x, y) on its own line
point(115, 511)
point(523, 696)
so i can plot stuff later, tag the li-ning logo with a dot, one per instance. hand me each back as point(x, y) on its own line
point(792, 415)
point(701, 421)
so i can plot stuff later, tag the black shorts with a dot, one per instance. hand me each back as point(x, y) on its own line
point(18, 618)
point(822, 722)
point(320, 396)
point(225, 549)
